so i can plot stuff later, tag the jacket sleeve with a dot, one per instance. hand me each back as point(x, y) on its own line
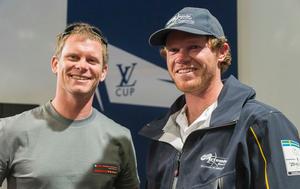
point(274, 152)
point(3, 154)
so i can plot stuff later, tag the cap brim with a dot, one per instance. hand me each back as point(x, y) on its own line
point(158, 38)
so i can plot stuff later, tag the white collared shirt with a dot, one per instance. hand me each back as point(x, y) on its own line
point(200, 123)
point(177, 129)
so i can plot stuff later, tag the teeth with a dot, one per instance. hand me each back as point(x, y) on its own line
point(186, 70)
point(79, 77)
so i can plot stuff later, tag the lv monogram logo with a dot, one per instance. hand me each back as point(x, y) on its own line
point(126, 73)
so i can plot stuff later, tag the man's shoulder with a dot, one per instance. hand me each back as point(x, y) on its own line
point(109, 125)
point(17, 122)
point(257, 107)
point(260, 113)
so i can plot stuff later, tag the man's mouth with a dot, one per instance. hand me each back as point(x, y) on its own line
point(185, 70)
point(79, 77)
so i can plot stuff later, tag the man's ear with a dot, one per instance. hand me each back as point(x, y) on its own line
point(223, 51)
point(104, 72)
point(54, 64)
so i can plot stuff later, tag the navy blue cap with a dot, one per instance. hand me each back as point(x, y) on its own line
point(193, 20)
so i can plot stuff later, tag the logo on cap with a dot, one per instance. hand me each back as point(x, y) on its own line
point(180, 19)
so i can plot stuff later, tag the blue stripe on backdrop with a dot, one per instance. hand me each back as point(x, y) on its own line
point(127, 96)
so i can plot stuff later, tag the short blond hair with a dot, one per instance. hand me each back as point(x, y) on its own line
point(84, 29)
point(216, 44)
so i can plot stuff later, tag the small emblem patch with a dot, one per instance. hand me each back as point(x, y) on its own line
point(291, 152)
point(106, 169)
point(212, 161)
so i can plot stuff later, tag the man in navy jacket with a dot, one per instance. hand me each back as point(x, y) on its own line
point(216, 135)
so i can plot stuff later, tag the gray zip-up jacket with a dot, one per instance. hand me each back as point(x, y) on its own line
point(248, 145)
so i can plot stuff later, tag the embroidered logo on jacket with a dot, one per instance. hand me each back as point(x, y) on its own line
point(106, 169)
point(212, 161)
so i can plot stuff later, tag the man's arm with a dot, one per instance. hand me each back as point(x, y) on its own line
point(275, 153)
point(3, 153)
point(128, 177)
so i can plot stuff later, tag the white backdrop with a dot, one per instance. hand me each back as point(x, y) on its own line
point(268, 50)
point(28, 30)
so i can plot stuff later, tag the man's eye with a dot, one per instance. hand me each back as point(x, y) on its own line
point(172, 50)
point(93, 61)
point(73, 57)
point(195, 47)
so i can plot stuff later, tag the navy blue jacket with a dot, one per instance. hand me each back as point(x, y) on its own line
point(243, 148)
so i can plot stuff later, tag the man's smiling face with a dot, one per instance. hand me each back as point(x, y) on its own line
point(191, 63)
point(80, 66)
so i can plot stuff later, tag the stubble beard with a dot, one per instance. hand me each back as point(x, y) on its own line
point(196, 86)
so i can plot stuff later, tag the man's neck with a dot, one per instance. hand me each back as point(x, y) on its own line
point(73, 108)
point(197, 103)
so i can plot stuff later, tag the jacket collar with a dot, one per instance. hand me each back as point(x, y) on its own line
point(232, 98)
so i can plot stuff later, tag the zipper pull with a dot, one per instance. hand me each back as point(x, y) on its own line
point(176, 172)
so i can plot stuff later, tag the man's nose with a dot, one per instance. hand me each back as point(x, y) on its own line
point(183, 57)
point(81, 65)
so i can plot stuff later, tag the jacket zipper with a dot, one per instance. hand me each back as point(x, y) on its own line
point(179, 154)
point(177, 169)
point(220, 183)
